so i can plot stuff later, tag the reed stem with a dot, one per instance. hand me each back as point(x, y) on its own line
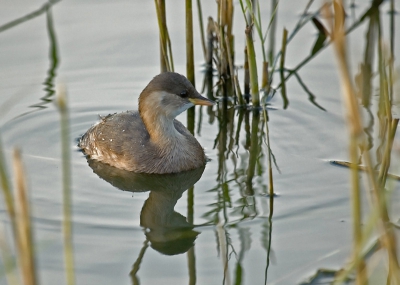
point(202, 37)
point(23, 222)
point(246, 75)
point(6, 189)
point(255, 95)
point(166, 59)
point(282, 69)
point(386, 234)
point(66, 179)
point(191, 113)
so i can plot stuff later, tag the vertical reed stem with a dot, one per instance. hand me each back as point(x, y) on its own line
point(246, 75)
point(282, 69)
point(162, 23)
point(23, 222)
point(272, 32)
point(386, 234)
point(202, 37)
point(6, 189)
point(189, 43)
point(191, 123)
point(265, 77)
point(191, 257)
point(255, 95)
point(270, 175)
point(67, 195)
point(190, 60)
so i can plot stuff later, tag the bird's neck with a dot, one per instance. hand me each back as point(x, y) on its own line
point(158, 122)
point(161, 129)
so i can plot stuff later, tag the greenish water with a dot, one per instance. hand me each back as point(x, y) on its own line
point(221, 231)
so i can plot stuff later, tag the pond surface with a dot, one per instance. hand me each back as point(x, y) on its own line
point(107, 52)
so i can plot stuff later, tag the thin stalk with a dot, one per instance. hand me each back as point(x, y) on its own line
point(189, 42)
point(202, 37)
point(29, 16)
point(235, 83)
point(191, 258)
point(192, 266)
point(210, 43)
point(255, 95)
point(23, 222)
point(239, 93)
point(265, 80)
point(312, 55)
point(136, 265)
point(67, 194)
point(270, 175)
point(6, 189)
point(282, 69)
point(272, 33)
point(8, 261)
point(160, 8)
point(256, 21)
point(386, 96)
point(166, 59)
point(356, 134)
point(254, 151)
point(246, 75)
point(356, 211)
point(190, 60)
point(392, 13)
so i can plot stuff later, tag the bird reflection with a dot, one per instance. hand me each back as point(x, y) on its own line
point(168, 231)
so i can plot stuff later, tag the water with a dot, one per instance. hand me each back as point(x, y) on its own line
point(108, 51)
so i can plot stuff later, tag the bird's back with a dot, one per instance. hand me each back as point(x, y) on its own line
point(123, 141)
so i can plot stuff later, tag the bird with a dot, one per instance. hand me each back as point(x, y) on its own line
point(150, 140)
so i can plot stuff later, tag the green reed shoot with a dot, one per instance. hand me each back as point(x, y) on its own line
point(202, 37)
point(190, 124)
point(66, 179)
point(282, 69)
point(8, 261)
point(190, 59)
point(189, 42)
point(254, 90)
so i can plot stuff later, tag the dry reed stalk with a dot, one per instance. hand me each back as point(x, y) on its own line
point(386, 237)
point(24, 238)
point(356, 132)
point(6, 189)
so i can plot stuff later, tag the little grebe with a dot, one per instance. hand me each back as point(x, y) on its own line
point(151, 140)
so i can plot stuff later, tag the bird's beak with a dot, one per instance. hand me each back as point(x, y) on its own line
point(200, 100)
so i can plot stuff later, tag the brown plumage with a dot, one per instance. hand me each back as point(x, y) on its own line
point(151, 140)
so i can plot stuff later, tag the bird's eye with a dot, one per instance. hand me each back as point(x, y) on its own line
point(184, 94)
